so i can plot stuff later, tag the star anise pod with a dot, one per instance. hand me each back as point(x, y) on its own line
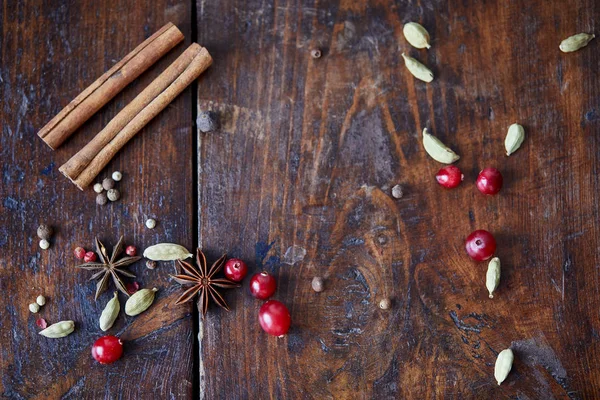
point(110, 267)
point(203, 282)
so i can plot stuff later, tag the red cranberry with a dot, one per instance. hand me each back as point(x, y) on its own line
point(107, 349)
point(274, 318)
point(90, 256)
point(489, 181)
point(449, 176)
point(236, 269)
point(263, 285)
point(131, 251)
point(79, 252)
point(480, 245)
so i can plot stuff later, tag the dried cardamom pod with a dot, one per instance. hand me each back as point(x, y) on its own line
point(438, 150)
point(139, 301)
point(492, 277)
point(418, 70)
point(167, 252)
point(110, 313)
point(575, 42)
point(514, 138)
point(59, 329)
point(504, 363)
point(416, 35)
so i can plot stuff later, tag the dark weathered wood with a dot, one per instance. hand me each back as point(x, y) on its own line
point(309, 151)
point(50, 51)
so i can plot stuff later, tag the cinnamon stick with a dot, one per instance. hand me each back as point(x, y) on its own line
point(84, 166)
point(55, 132)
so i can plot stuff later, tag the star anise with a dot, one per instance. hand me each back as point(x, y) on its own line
point(110, 267)
point(203, 281)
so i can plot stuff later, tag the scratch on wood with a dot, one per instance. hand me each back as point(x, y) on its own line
point(202, 371)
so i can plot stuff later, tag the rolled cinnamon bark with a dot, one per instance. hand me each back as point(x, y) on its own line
point(84, 166)
point(108, 85)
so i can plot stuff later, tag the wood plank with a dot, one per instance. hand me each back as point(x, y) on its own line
point(51, 51)
point(309, 151)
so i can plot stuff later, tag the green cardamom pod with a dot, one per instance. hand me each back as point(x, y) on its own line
point(492, 277)
point(139, 301)
point(438, 150)
point(575, 42)
point(167, 252)
point(418, 70)
point(504, 363)
point(110, 313)
point(59, 329)
point(514, 138)
point(416, 35)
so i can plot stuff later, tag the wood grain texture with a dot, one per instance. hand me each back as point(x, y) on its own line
point(50, 51)
point(298, 182)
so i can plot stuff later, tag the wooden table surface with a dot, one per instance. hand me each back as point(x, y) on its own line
point(298, 182)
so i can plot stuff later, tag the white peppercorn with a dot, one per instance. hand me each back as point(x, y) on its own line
point(41, 300)
point(397, 192)
point(34, 307)
point(44, 231)
point(98, 188)
point(150, 223)
point(117, 176)
point(385, 303)
point(207, 121)
point(44, 244)
point(317, 284)
point(150, 264)
point(108, 183)
point(113, 195)
point(315, 53)
point(101, 199)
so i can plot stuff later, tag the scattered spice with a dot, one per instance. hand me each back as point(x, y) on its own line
point(140, 301)
point(397, 192)
point(416, 35)
point(59, 329)
point(44, 244)
point(117, 176)
point(167, 252)
point(317, 284)
point(41, 322)
point(438, 150)
point(203, 282)
point(132, 287)
point(98, 188)
point(150, 264)
point(110, 313)
point(90, 256)
point(113, 195)
point(315, 53)
point(34, 308)
point(110, 267)
point(514, 138)
point(40, 300)
point(108, 183)
point(44, 231)
point(79, 252)
point(575, 42)
point(385, 304)
point(504, 364)
point(101, 199)
point(150, 223)
point(207, 121)
point(418, 70)
point(131, 251)
point(492, 277)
